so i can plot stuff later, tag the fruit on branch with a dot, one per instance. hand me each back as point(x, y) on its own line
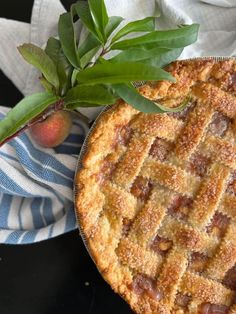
point(53, 130)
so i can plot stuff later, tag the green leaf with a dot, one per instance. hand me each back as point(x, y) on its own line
point(176, 38)
point(130, 95)
point(99, 15)
point(113, 23)
point(88, 49)
point(38, 58)
point(81, 105)
point(182, 106)
point(114, 73)
point(163, 59)
point(64, 68)
point(88, 44)
point(157, 57)
point(83, 11)
point(144, 25)
point(26, 110)
point(74, 77)
point(88, 57)
point(68, 38)
point(46, 85)
point(98, 94)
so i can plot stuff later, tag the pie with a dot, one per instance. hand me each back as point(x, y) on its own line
point(156, 194)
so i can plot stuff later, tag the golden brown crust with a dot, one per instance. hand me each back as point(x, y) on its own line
point(153, 189)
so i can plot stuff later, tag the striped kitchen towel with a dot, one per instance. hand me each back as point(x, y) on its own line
point(36, 201)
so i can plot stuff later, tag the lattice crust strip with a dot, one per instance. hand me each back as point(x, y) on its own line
point(225, 256)
point(140, 259)
point(228, 206)
point(137, 151)
point(122, 228)
point(170, 176)
point(226, 152)
point(193, 131)
point(209, 196)
point(171, 275)
point(205, 290)
point(186, 236)
point(218, 99)
point(150, 217)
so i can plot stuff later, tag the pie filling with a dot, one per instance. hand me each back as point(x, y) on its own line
point(143, 285)
point(218, 225)
point(161, 245)
point(180, 207)
point(141, 188)
point(219, 125)
point(168, 243)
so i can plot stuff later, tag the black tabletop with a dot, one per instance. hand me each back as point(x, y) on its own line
point(54, 276)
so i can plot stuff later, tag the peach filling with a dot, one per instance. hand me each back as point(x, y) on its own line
point(208, 308)
point(123, 135)
point(232, 184)
point(230, 278)
point(160, 149)
point(182, 115)
point(106, 171)
point(161, 245)
point(143, 285)
point(197, 262)
point(141, 188)
point(219, 124)
point(218, 225)
point(182, 300)
point(126, 226)
point(199, 164)
point(180, 206)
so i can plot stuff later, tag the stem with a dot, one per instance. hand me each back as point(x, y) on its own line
point(104, 51)
point(59, 105)
point(80, 116)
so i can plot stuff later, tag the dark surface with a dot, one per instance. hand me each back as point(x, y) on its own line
point(51, 276)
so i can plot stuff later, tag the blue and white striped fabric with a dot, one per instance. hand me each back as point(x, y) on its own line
point(36, 201)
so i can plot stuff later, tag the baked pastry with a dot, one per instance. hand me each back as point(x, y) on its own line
point(156, 194)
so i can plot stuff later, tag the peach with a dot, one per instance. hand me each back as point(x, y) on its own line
point(53, 130)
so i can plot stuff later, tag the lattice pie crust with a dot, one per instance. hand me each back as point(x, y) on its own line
point(157, 194)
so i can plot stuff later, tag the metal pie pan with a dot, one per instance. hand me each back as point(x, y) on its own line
point(84, 149)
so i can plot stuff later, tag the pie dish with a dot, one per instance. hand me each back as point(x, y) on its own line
point(156, 194)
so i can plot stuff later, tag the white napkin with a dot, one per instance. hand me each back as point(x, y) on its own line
point(49, 173)
point(217, 32)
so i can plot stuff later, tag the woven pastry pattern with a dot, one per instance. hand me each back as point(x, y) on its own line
point(169, 196)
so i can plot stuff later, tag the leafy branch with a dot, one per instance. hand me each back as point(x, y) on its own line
point(81, 73)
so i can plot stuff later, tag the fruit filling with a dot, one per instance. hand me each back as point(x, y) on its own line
point(160, 149)
point(232, 184)
point(199, 164)
point(180, 206)
point(126, 226)
point(182, 300)
point(182, 115)
point(141, 188)
point(161, 245)
point(106, 171)
point(123, 135)
point(219, 124)
point(208, 308)
point(144, 285)
point(197, 262)
point(218, 225)
point(230, 278)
